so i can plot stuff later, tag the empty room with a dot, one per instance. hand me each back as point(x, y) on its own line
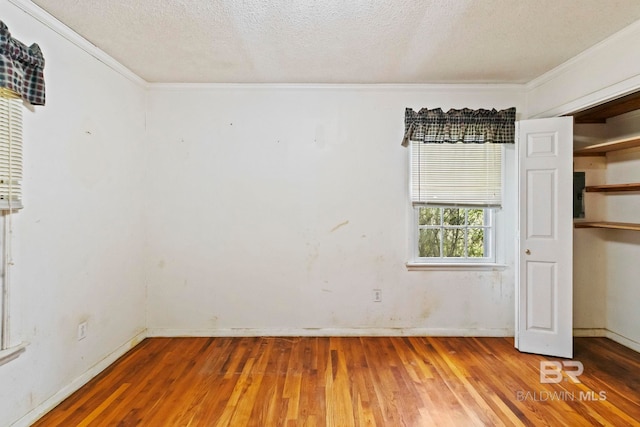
point(319, 212)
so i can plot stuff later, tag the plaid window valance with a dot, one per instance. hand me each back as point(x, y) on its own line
point(466, 125)
point(21, 68)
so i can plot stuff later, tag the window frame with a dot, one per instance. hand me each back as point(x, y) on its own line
point(11, 143)
point(497, 263)
point(489, 241)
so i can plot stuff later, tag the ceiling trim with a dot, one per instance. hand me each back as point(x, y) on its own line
point(603, 95)
point(61, 29)
point(431, 87)
point(598, 97)
point(568, 65)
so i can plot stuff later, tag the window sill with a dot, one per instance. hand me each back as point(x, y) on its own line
point(12, 353)
point(418, 266)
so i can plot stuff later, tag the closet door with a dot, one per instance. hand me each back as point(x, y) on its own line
point(544, 283)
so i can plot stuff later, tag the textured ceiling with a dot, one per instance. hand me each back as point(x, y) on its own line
point(343, 41)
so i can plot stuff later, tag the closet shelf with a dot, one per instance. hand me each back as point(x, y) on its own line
point(610, 188)
point(605, 224)
point(605, 147)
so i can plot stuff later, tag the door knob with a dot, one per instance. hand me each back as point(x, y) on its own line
point(528, 252)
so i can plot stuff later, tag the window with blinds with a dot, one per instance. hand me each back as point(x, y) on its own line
point(465, 175)
point(454, 190)
point(10, 151)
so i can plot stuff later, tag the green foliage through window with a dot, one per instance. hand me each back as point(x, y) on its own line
point(448, 232)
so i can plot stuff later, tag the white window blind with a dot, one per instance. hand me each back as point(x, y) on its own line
point(10, 151)
point(456, 174)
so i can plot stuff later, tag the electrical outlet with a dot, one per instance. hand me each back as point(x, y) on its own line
point(82, 331)
point(377, 295)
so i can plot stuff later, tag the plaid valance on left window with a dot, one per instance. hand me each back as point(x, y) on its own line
point(465, 126)
point(21, 68)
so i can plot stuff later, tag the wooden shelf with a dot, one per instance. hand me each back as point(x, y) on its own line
point(605, 147)
point(602, 150)
point(604, 224)
point(611, 188)
point(600, 113)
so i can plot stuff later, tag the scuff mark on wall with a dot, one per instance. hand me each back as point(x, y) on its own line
point(427, 307)
point(342, 224)
point(313, 256)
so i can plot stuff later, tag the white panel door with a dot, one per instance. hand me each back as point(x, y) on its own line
point(544, 290)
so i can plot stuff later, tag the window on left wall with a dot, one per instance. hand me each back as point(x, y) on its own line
point(21, 83)
point(11, 106)
point(10, 151)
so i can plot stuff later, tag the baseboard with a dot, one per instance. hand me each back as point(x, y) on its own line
point(603, 332)
point(627, 342)
point(329, 332)
point(589, 332)
point(66, 391)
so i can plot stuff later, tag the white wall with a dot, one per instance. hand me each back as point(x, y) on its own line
point(279, 209)
point(78, 242)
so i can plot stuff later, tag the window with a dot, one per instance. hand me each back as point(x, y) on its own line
point(10, 151)
point(10, 191)
point(456, 183)
point(453, 234)
point(455, 189)
point(21, 80)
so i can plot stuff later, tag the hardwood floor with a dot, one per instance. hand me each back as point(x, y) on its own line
point(351, 381)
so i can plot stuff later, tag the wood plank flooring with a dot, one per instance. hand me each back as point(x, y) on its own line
point(353, 381)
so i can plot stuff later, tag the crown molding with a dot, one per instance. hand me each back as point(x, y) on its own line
point(602, 95)
point(567, 66)
point(596, 97)
point(61, 29)
point(419, 87)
